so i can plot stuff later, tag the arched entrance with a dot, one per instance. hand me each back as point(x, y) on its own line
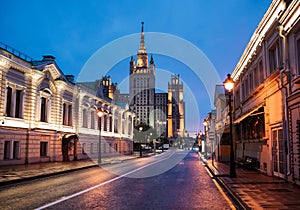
point(69, 147)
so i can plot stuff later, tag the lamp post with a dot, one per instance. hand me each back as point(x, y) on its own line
point(229, 84)
point(100, 113)
point(141, 152)
point(205, 124)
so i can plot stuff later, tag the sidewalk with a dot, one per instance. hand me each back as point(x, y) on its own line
point(258, 190)
point(18, 173)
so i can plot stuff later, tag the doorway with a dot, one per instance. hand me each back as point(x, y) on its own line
point(278, 152)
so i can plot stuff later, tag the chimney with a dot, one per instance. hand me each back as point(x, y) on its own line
point(48, 58)
point(70, 78)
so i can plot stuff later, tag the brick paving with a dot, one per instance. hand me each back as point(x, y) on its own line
point(258, 190)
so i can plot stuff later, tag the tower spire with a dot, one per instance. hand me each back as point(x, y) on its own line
point(142, 42)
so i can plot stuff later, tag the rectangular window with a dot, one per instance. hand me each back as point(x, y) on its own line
point(84, 148)
point(18, 110)
point(43, 109)
point(7, 149)
point(298, 55)
point(105, 123)
point(8, 102)
point(92, 148)
point(237, 98)
point(250, 82)
point(43, 149)
point(110, 123)
point(261, 76)
point(92, 119)
point(64, 114)
point(256, 77)
point(16, 150)
point(84, 119)
point(70, 122)
point(274, 58)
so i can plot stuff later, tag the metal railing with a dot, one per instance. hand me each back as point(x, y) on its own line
point(16, 52)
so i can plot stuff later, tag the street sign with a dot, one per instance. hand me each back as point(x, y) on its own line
point(211, 135)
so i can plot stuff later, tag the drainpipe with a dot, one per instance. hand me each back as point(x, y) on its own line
point(285, 112)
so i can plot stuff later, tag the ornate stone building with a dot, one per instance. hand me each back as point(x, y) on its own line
point(266, 94)
point(176, 108)
point(46, 117)
point(142, 86)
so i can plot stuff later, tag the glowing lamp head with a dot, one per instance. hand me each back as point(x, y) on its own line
point(100, 112)
point(205, 123)
point(228, 83)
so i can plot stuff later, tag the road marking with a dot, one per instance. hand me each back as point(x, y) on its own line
point(101, 184)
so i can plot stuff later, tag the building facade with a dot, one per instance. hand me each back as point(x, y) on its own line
point(46, 117)
point(142, 85)
point(266, 94)
point(176, 108)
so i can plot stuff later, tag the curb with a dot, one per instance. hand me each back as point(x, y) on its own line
point(236, 200)
point(24, 179)
point(15, 181)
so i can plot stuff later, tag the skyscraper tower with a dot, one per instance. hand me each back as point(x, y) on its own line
point(142, 85)
point(176, 108)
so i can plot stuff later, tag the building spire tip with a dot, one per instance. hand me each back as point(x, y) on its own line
point(142, 26)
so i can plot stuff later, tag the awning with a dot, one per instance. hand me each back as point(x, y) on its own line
point(247, 114)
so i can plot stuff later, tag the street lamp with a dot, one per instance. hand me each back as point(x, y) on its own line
point(229, 84)
point(205, 123)
point(141, 152)
point(100, 113)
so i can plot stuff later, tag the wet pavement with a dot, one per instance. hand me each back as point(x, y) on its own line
point(257, 190)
